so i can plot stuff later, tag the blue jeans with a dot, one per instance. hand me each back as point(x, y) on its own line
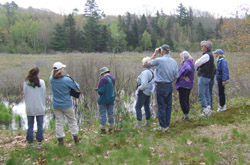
point(222, 97)
point(164, 100)
point(211, 85)
point(30, 131)
point(203, 90)
point(104, 110)
point(142, 100)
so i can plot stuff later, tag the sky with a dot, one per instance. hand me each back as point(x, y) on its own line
point(224, 8)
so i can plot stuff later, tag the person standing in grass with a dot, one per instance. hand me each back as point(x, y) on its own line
point(34, 91)
point(145, 83)
point(106, 98)
point(184, 83)
point(205, 68)
point(222, 76)
point(62, 102)
point(166, 72)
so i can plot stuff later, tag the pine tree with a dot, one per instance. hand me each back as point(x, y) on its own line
point(58, 38)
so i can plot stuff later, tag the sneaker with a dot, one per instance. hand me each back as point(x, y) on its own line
point(206, 112)
point(39, 145)
point(146, 124)
point(219, 109)
point(224, 108)
point(138, 125)
point(161, 129)
point(30, 145)
point(209, 107)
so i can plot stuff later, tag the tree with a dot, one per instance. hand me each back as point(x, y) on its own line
point(201, 34)
point(146, 41)
point(118, 37)
point(58, 38)
point(91, 30)
point(91, 10)
point(70, 30)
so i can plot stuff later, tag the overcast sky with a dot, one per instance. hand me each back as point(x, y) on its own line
point(114, 7)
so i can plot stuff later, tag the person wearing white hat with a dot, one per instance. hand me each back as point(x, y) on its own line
point(62, 101)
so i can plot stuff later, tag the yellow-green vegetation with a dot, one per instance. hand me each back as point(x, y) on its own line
point(222, 138)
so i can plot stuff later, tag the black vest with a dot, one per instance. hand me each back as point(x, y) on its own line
point(207, 69)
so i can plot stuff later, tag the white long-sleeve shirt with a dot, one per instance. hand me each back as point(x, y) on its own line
point(202, 60)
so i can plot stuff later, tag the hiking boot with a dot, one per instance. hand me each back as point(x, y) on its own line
point(147, 123)
point(61, 142)
point(76, 139)
point(138, 125)
point(110, 129)
point(103, 130)
point(39, 145)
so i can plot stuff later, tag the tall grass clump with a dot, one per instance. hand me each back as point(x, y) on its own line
point(5, 116)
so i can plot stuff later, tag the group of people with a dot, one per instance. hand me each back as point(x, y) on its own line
point(34, 90)
point(166, 72)
point(159, 80)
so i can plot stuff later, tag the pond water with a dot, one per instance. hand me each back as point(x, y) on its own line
point(19, 109)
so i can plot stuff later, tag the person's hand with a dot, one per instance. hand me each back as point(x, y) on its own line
point(224, 83)
point(186, 78)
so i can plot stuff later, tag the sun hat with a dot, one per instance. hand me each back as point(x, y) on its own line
point(104, 70)
point(165, 47)
point(58, 65)
point(218, 51)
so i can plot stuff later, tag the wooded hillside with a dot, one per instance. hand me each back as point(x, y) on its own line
point(39, 31)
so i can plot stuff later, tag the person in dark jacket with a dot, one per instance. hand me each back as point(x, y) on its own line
point(205, 68)
point(222, 76)
point(184, 83)
point(106, 98)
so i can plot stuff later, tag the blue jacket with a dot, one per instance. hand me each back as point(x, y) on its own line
point(106, 90)
point(222, 71)
point(61, 92)
point(187, 69)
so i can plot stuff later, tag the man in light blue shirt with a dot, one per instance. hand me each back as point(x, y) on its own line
point(166, 72)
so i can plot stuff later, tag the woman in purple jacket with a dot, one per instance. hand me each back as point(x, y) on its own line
point(184, 83)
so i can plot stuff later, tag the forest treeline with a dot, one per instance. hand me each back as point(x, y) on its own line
point(42, 31)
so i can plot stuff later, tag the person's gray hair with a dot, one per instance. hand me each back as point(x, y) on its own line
point(185, 55)
point(145, 60)
point(207, 44)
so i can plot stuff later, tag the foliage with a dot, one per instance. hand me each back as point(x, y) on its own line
point(32, 31)
point(5, 115)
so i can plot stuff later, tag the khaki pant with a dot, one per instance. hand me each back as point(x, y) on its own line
point(72, 123)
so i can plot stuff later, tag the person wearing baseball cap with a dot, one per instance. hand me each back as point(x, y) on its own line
point(222, 77)
point(165, 73)
point(62, 102)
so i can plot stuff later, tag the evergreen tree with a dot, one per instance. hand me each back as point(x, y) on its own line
point(91, 30)
point(70, 30)
point(58, 38)
point(200, 31)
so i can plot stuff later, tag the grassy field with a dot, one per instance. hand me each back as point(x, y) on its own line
point(222, 138)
